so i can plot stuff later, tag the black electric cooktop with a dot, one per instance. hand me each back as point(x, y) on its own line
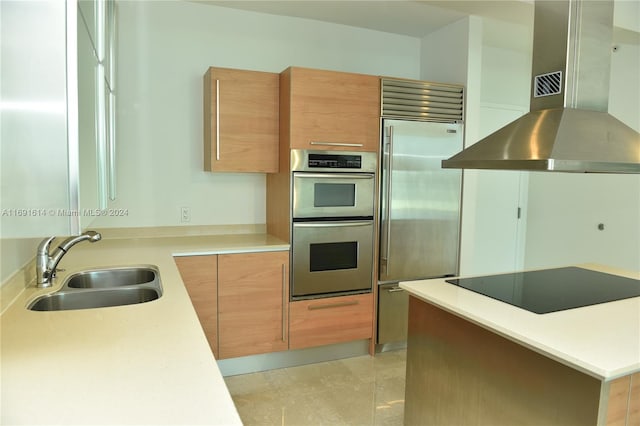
point(552, 290)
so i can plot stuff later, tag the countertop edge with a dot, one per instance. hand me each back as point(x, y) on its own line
point(469, 306)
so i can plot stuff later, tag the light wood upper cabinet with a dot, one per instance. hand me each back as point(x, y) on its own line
point(331, 110)
point(253, 295)
point(241, 113)
point(199, 274)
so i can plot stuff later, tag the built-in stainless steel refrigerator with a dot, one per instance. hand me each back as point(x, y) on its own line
point(420, 213)
point(420, 217)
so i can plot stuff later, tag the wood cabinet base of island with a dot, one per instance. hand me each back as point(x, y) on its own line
point(460, 373)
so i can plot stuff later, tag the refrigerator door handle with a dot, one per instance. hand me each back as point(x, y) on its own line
point(387, 218)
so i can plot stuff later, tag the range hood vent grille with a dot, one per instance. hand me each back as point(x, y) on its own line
point(422, 100)
point(548, 84)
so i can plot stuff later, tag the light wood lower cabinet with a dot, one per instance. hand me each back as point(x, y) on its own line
point(199, 274)
point(331, 320)
point(242, 302)
point(253, 294)
point(623, 406)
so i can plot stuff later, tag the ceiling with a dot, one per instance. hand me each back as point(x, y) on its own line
point(415, 18)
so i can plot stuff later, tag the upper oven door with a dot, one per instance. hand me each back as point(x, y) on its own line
point(319, 195)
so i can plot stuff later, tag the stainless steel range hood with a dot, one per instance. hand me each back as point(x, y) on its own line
point(568, 128)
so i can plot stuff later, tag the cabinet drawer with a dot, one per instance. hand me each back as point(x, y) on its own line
point(331, 320)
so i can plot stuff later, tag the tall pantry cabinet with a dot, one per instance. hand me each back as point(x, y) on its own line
point(323, 110)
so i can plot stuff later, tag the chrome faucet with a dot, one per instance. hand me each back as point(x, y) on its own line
point(47, 263)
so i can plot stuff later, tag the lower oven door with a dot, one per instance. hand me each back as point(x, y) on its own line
point(331, 257)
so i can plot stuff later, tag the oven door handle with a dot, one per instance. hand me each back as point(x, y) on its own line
point(345, 176)
point(330, 224)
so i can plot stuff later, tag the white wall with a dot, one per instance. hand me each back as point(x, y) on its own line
point(164, 49)
point(497, 91)
point(495, 235)
point(626, 15)
point(561, 211)
point(565, 209)
point(506, 76)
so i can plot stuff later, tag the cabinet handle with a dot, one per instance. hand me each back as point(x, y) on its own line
point(345, 224)
point(217, 119)
point(305, 175)
point(284, 302)
point(332, 305)
point(336, 144)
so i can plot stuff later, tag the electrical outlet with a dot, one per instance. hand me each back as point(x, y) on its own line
point(185, 214)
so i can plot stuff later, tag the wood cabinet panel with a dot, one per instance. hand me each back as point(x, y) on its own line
point(623, 407)
point(634, 400)
point(253, 294)
point(331, 320)
point(199, 274)
point(617, 404)
point(245, 105)
point(333, 108)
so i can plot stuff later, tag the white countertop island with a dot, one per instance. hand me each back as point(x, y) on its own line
point(600, 340)
point(148, 363)
point(467, 349)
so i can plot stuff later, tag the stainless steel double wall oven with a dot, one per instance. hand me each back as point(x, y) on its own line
point(333, 202)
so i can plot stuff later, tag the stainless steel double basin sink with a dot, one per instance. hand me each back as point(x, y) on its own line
point(100, 288)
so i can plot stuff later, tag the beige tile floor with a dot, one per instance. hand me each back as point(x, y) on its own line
point(354, 391)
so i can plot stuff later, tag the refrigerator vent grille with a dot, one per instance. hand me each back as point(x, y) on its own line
point(422, 100)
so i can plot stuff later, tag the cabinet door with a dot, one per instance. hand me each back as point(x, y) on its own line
point(241, 112)
point(253, 294)
point(199, 274)
point(334, 110)
point(332, 320)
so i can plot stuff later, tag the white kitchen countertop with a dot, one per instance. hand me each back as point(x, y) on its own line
point(601, 340)
point(148, 363)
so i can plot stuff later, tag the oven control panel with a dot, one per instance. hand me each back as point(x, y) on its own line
point(334, 161)
point(316, 161)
